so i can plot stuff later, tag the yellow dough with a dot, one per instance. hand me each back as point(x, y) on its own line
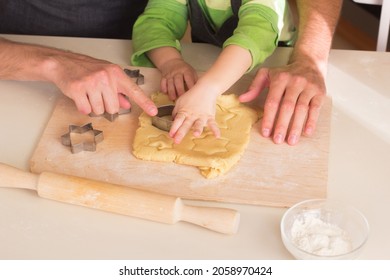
point(211, 155)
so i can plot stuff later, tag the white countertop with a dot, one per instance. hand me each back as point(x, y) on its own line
point(359, 171)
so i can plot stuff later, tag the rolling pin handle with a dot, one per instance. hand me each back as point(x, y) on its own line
point(12, 177)
point(221, 220)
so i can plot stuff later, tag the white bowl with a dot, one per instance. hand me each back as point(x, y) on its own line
point(322, 229)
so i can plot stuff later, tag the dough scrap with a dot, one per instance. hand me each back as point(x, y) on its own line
point(211, 155)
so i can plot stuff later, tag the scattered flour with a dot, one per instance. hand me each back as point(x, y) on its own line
point(318, 237)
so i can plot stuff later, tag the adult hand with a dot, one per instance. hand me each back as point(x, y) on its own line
point(177, 77)
point(295, 96)
point(96, 85)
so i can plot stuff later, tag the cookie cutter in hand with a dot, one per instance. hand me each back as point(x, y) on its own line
point(111, 117)
point(160, 120)
point(135, 74)
point(139, 80)
point(89, 145)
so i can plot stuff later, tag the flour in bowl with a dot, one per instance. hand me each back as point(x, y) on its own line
point(318, 237)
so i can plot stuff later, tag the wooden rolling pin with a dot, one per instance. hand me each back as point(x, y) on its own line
point(119, 199)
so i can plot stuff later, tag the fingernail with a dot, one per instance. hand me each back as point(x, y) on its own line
point(152, 110)
point(266, 132)
point(278, 138)
point(177, 141)
point(293, 139)
point(309, 130)
point(99, 112)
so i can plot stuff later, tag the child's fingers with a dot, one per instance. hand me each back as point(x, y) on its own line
point(171, 89)
point(177, 122)
point(163, 85)
point(214, 127)
point(180, 127)
point(183, 130)
point(198, 126)
point(179, 84)
point(190, 80)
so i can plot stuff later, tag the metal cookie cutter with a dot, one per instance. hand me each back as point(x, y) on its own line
point(135, 74)
point(139, 79)
point(163, 119)
point(111, 117)
point(85, 145)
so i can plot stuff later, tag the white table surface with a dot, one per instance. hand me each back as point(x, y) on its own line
point(359, 162)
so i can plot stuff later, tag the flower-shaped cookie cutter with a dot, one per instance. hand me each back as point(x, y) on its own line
point(163, 119)
point(84, 145)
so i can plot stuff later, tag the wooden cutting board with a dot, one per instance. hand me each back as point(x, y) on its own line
point(267, 174)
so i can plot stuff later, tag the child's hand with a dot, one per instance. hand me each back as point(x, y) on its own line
point(193, 110)
point(177, 77)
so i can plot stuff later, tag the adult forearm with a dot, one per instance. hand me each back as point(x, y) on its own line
point(316, 27)
point(25, 61)
point(95, 85)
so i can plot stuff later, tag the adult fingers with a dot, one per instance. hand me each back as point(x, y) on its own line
point(110, 99)
point(257, 86)
point(96, 100)
point(305, 117)
point(271, 106)
point(314, 113)
point(123, 101)
point(135, 93)
point(82, 104)
point(299, 117)
point(287, 107)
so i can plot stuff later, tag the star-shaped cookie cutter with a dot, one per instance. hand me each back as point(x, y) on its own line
point(160, 120)
point(89, 145)
point(139, 80)
point(111, 117)
point(135, 74)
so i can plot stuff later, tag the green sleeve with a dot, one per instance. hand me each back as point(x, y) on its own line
point(257, 31)
point(162, 24)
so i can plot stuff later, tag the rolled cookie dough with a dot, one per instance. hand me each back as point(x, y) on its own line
point(211, 155)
